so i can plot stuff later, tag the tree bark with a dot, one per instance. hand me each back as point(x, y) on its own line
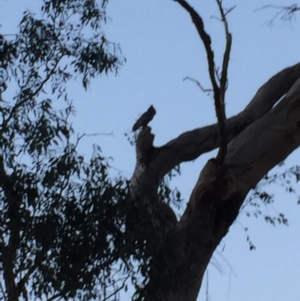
point(261, 136)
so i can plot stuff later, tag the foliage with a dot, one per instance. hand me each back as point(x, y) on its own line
point(60, 213)
point(261, 202)
point(67, 228)
point(261, 197)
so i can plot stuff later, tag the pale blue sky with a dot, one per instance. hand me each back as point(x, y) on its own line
point(162, 47)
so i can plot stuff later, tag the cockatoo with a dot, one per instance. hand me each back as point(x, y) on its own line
point(144, 119)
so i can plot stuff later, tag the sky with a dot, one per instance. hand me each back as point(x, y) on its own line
point(161, 47)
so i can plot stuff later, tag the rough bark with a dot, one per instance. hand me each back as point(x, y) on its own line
point(261, 136)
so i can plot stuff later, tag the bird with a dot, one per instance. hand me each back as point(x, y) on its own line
point(144, 119)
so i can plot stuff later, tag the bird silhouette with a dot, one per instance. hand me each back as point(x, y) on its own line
point(144, 119)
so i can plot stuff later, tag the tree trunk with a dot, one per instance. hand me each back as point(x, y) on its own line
point(261, 136)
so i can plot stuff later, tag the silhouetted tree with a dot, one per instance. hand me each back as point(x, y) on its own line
point(70, 231)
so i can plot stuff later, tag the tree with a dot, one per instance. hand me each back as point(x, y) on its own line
point(55, 205)
point(250, 144)
point(98, 228)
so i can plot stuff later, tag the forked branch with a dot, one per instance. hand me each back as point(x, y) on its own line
point(219, 85)
point(220, 105)
point(197, 20)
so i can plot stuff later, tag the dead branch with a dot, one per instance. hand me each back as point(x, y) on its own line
point(190, 145)
point(198, 84)
point(205, 38)
point(220, 105)
point(286, 12)
point(219, 89)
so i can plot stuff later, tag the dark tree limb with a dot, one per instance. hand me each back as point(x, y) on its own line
point(220, 105)
point(261, 136)
point(219, 89)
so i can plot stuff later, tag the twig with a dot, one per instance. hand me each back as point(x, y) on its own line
point(54, 297)
point(117, 290)
point(205, 38)
point(198, 84)
point(287, 11)
point(100, 134)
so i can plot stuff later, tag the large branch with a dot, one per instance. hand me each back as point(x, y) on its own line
point(190, 145)
point(220, 191)
point(268, 141)
point(154, 163)
point(255, 151)
point(260, 136)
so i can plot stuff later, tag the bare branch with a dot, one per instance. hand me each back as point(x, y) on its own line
point(226, 56)
point(218, 89)
point(198, 84)
point(190, 145)
point(267, 141)
point(205, 38)
point(220, 105)
point(286, 12)
point(100, 134)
